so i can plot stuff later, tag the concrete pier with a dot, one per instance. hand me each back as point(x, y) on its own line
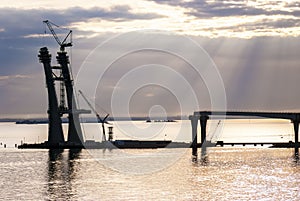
point(203, 123)
point(296, 131)
point(194, 121)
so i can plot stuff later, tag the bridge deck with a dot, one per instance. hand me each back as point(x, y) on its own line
point(277, 115)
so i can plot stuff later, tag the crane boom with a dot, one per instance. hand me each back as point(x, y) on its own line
point(61, 44)
point(102, 121)
point(89, 104)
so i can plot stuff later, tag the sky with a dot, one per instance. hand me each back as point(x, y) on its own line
point(254, 45)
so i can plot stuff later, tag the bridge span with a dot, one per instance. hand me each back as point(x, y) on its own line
point(203, 116)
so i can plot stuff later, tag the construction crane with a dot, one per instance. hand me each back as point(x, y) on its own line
point(102, 121)
point(62, 44)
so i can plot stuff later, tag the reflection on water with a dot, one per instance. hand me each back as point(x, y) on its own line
point(225, 174)
point(204, 160)
point(61, 173)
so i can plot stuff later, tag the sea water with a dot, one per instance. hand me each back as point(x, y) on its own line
point(232, 130)
point(228, 173)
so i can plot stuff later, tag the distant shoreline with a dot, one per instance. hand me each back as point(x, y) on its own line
point(94, 120)
point(88, 120)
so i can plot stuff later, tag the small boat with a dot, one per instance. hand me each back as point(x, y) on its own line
point(159, 121)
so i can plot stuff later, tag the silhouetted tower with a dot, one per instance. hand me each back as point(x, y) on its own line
point(55, 132)
point(66, 83)
point(74, 133)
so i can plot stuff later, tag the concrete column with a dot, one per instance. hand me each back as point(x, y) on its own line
point(203, 123)
point(194, 121)
point(74, 132)
point(55, 132)
point(296, 131)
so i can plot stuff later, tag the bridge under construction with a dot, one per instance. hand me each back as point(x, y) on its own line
point(67, 105)
point(203, 116)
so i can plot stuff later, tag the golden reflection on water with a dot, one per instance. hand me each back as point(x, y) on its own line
point(62, 171)
point(227, 174)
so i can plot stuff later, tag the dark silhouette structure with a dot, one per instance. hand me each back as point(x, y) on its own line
point(55, 132)
point(203, 116)
point(74, 132)
point(55, 112)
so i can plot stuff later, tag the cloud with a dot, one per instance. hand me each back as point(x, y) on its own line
point(253, 70)
point(220, 9)
point(259, 74)
point(20, 40)
point(16, 22)
point(10, 79)
point(21, 30)
point(225, 8)
point(265, 24)
point(13, 77)
point(241, 18)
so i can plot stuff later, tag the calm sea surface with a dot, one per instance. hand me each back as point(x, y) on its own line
point(229, 173)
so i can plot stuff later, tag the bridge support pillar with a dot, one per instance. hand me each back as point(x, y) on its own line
point(194, 121)
point(55, 131)
point(296, 131)
point(74, 132)
point(203, 123)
